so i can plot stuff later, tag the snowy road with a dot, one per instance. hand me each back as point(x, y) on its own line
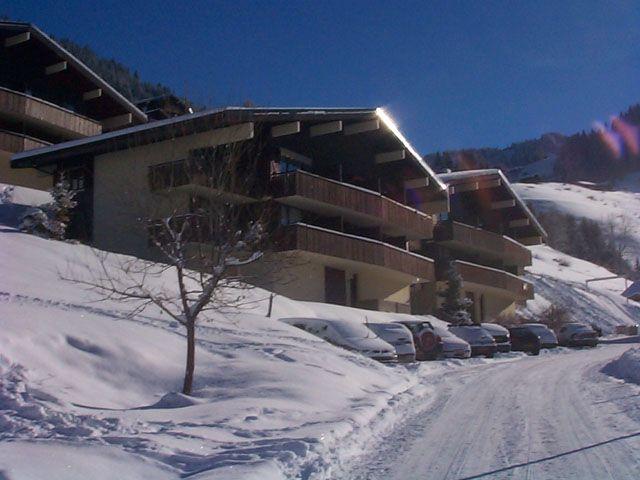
point(551, 417)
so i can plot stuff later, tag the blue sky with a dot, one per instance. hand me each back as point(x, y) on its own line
point(453, 74)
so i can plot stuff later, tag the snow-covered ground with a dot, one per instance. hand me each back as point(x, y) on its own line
point(550, 417)
point(626, 367)
point(560, 279)
point(88, 392)
point(622, 206)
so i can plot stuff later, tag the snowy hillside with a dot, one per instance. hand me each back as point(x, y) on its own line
point(623, 207)
point(559, 279)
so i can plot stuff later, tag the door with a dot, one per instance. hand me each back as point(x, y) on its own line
point(335, 286)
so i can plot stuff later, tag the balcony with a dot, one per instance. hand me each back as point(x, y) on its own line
point(43, 116)
point(482, 243)
point(358, 206)
point(350, 249)
point(498, 281)
point(15, 142)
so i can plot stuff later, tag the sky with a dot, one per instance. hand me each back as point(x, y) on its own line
point(454, 74)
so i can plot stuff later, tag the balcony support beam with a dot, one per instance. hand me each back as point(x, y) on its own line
point(503, 204)
point(55, 68)
point(117, 121)
point(91, 94)
point(17, 39)
point(520, 222)
point(388, 157)
point(325, 128)
point(290, 128)
point(362, 127)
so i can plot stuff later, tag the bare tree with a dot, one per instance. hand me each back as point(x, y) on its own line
point(207, 233)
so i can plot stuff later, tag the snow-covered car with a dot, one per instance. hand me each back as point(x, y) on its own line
point(500, 335)
point(349, 335)
point(524, 340)
point(548, 339)
point(577, 335)
point(397, 335)
point(452, 346)
point(428, 344)
point(481, 341)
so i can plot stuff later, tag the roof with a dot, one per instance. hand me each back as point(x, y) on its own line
point(206, 120)
point(76, 64)
point(468, 176)
point(633, 291)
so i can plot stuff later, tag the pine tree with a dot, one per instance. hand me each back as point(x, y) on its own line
point(52, 219)
point(454, 307)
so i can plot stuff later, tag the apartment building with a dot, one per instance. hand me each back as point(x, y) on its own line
point(48, 96)
point(373, 225)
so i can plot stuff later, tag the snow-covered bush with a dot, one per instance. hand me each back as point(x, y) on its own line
point(51, 219)
point(6, 194)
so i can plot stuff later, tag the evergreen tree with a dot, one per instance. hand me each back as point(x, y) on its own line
point(52, 219)
point(454, 307)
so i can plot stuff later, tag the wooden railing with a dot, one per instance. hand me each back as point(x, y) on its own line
point(509, 251)
point(490, 277)
point(380, 209)
point(14, 142)
point(358, 249)
point(26, 108)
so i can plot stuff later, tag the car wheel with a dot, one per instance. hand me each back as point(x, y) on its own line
point(489, 355)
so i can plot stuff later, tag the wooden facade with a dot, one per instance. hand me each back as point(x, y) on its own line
point(14, 142)
point(492, 278)
point(373, 208)
point(465, 237)
point(45, 116)
point(358, 249)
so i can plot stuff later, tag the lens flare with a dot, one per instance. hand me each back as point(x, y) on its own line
point(611, 139)
point(629, 133)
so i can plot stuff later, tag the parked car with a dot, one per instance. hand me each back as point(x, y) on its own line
point(577, 335)
point(547, 337)
point(349, 335)
point(524, 340)
point(500, 335)
point(481, 341)
point(452, 346)
point(397, 335)
point(428, 344)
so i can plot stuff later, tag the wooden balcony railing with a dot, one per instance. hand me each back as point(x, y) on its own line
point(357, 249)
point(482, 242)
point(510, 284)
point(352, 202)
point(15, 142)
point(62, 122)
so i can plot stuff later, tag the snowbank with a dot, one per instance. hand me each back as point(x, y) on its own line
point(269, 398)
point(627, 367)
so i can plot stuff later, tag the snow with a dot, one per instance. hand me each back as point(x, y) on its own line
point(626, 367)
point(561, 279)
point(621, 207)
point(84, 386)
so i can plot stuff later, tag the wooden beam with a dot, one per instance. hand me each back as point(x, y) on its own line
point(520, 222)
point(489, 183)
point(91, 94)
point(17, 39)
point(416, 183)
point(387, 157)
point(325, 128)
point(503, 204)
point(464, 187)
point(530, 240)
point(117, 121)
point(55, 68)
point(285, 129)
point(361, 127)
